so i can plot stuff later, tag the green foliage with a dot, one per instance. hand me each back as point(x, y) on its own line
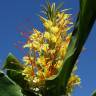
point(8, 88)
point(13, 71)
point(17, 77)
point(12, 63)
point(87, 17)
point(13, 68)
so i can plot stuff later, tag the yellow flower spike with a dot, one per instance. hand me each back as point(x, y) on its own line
point(36, 82)
point(36, 31)
point(60, 15)
point(52, 51)
point(49, 48)
point(59, 41)
point(52, 70)
point(53, 38)
point(63, 50)
point(59, 64)
point(28, 72)
point(63, 19)
point(35, 35)
point(41, 60)
point(54, 29)
point(36, 45)
point(43, 19)
point(28, 45)
point(67, 16)
point(74, 80)
point(27, 59)
point(45, 47)
point(40, 75)
point(66, 23)
point(47, 23)
point(47, 35)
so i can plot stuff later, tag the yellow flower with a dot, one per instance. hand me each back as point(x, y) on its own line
point(35, 35)
point(74, 80)
point(54, 29)
point(59, 64)
point(36, 31)
point(36, 45)
point(60, 14)
point(53, 38)
point(27, 59)
point(47, 35)
point(51, 71)
point(41, 60)
point(63, 51)
point(47, 23)
point(43, 19)
point(45, 47)
point(28, 45)
point(28, 72)
point(40, 75)
point(52, 51)
point(37, 82)
point(66, 16)
point(49, 48)
point(63, 20)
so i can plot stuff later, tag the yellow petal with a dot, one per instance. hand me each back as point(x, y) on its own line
point(54, 29)
point(45, 47)
point(53, 38)
point(41, 60)
point(47, 35)
point(36, 44)
point(29, 45)
point(47, 23)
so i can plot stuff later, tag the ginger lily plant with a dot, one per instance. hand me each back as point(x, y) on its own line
point(50, 64)
point(47, 50)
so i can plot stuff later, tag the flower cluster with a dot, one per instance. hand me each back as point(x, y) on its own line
point(47, 50)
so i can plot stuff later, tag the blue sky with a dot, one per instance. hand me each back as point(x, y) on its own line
point(21, 15)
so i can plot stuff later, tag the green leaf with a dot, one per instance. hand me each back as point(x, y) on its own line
point(18, 78)
point(87, 18)
point(8, 88)
point(12, 63)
